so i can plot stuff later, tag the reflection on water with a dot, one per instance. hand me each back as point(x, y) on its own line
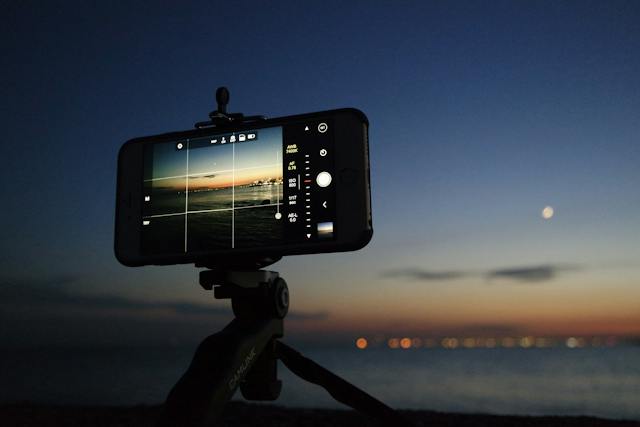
point(600, 382)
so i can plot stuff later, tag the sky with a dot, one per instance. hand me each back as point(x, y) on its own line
point(481, 114)
point(251, 162)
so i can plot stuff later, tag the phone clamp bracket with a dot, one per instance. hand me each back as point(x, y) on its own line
point(235, 263)
point(220, 118)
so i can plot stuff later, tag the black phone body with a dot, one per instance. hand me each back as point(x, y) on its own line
point(289, 185)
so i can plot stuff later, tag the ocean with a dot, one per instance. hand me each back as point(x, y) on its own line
point(253, 223)
point(603, 382)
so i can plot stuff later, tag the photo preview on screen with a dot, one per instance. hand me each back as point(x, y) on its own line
point(218, 192)
point(258, 188)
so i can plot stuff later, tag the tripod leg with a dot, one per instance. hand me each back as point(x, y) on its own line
point(262, 383)
point(218, 368)
point(338, 388)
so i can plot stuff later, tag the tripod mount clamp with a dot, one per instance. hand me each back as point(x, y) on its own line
point(235, 263)
point(219, 118)
point(253, 293)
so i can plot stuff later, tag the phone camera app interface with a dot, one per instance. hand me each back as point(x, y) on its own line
point(249, 189)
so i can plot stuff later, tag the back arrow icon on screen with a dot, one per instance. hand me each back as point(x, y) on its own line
point(324, 204)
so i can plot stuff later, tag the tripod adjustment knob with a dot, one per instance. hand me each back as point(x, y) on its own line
point(222, 98)
point(281, 298)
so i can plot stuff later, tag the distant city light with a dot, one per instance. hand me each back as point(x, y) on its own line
point(405, 343)
point(572, 342)
point(508, 342)
point(362, 343)
point(526, 342)
point(450, 343)
point(470, 342)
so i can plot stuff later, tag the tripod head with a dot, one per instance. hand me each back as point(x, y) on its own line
point(242, 355)
point(254, 294)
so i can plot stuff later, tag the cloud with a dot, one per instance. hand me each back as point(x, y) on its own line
point(55, 293)
point(540, 273)
point(301, 315)
point(49, 311)
point(533, 274)
point(425, 275)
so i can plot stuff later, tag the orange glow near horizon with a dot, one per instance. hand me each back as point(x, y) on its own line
point(221, 180)
point(525, 324)
point(228, 181)
point(565, 308)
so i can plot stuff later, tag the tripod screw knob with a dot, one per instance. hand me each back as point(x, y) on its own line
point(222, 98)
point(281, 298)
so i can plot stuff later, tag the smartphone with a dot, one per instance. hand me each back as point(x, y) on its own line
point(289, 185)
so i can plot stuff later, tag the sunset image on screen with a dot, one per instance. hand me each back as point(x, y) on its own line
point(207, 195)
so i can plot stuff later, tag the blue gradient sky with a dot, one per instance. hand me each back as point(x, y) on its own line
point(481, 114)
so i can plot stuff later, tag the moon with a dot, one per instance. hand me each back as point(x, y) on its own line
point(547, 212)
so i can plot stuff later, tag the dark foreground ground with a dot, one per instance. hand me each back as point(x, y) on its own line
point(243, 414)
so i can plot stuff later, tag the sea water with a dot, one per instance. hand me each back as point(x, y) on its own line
point(601, 382)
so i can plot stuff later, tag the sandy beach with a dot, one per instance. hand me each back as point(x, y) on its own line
point(244, 414)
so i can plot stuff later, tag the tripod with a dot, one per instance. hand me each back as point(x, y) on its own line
point(245, 353)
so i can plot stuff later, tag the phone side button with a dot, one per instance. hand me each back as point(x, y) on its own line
point(348, 176)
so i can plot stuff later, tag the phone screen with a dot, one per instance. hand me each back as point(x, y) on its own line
point(255, 188)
